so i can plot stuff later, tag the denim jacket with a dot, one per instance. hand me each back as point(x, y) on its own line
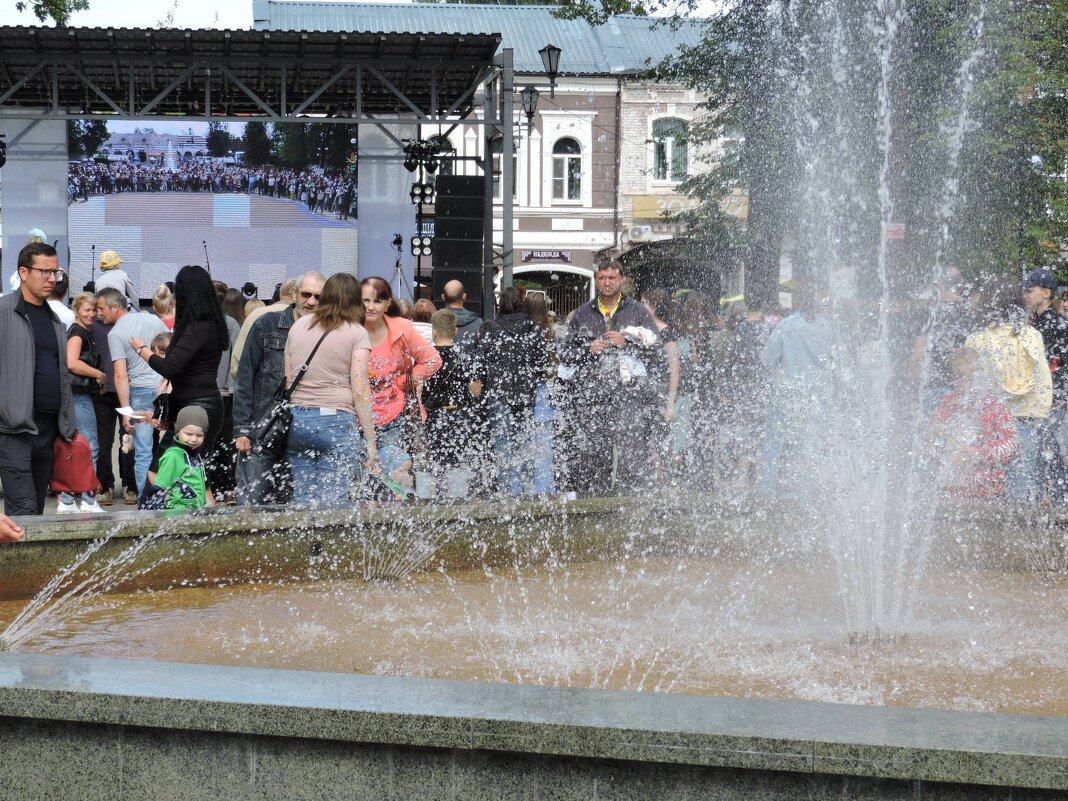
point(261, 370)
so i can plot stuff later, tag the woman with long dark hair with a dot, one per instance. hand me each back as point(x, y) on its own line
point(399, 355)
point(192, 361)
point(332, 396)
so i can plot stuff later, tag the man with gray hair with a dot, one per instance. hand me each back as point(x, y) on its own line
point(136, 384)
point(287, 296)
point(261, 478)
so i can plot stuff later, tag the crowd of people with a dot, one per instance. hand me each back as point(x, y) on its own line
point(630, 394)
point(322, 192)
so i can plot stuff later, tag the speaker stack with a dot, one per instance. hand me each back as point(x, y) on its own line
point(459, 220)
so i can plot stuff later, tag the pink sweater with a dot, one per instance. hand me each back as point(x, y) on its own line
point(403, 348)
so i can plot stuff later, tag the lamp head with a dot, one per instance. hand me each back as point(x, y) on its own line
point(529, 96)
point(550, 60)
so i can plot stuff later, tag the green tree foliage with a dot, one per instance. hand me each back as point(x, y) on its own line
point(290, 144)
point(58, 11)
point(85, 137)
point(766, 132)
point(218, 139)
point(257, 144)
point(305, 145)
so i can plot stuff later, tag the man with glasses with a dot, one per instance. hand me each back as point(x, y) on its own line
point(287, 296)
point(260, 477)
point(36, 404)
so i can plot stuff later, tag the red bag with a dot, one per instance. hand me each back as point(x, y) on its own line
point(73, 468)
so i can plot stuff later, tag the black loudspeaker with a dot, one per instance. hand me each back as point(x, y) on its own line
point(459, 226)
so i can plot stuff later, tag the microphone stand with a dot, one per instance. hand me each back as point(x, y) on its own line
point(207, 261)
point(92, 265)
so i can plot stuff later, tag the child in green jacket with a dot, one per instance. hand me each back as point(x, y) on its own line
point(181, 481)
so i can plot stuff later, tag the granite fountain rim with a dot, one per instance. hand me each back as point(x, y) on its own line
point(796, 736)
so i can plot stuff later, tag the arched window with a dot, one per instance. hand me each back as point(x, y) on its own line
point(567, 170)
point(671, 157)
point(497, 148)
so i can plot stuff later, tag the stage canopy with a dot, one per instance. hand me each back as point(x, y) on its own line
point(271, 76)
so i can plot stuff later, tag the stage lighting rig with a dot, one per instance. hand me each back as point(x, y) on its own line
point(423, 153)
point(422, 193)
point(422, 245)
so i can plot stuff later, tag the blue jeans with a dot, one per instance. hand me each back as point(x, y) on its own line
point(542, 444)
point(511, 433)
point(1021, 474)
point(85, 420)
point(141, 399)
point(392, 450)
point(262, 479)
point(324, 455)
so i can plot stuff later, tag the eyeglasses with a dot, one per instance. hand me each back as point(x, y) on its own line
point(57, 274)
point(309, 295)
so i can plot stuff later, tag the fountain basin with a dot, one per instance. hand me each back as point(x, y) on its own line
point(195, 730)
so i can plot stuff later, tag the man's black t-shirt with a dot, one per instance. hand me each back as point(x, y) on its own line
point(46, 382)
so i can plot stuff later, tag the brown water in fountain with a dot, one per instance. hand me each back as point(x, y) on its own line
point(988, 641)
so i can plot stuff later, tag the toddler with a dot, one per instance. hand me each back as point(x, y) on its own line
point(181, 481)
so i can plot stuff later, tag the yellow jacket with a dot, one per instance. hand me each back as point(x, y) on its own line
point(1016, 362)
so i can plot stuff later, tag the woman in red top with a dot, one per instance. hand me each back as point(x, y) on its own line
point(398, 355)
point(974, 434)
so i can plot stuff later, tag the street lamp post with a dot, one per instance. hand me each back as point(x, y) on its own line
point(550, 59)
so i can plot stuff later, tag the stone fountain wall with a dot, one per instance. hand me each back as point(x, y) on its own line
point(73, 727)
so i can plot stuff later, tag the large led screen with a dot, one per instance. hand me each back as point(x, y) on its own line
point(160, 197)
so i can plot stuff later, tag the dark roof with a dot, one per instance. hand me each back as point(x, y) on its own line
point(624, 44)
point(433, 71)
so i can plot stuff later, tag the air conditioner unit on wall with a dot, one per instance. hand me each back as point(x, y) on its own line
point(640, 233)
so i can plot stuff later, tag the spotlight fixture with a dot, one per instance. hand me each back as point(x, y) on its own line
point(425, 153)
point(422, 245)
point(422, 193)
point(398, 242)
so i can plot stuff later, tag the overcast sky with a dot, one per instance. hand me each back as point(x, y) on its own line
point(146, 14)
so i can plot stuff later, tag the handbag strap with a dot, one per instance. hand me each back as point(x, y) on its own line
point(303, 368)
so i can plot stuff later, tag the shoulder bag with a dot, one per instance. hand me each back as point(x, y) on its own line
point(271, 434)
point(72, 470)
point(83, 384)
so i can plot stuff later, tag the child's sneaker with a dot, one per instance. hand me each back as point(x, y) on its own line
point(66, 508)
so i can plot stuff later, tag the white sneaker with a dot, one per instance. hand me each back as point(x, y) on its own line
point(66, 508)
point(90, 505)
